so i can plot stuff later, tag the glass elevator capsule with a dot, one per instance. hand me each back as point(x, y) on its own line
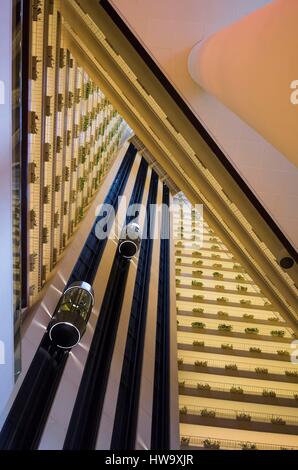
point(71, 315)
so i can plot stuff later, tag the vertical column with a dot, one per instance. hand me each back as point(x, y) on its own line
point(6, 285)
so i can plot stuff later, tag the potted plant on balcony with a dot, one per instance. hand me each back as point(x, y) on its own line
point(205, 413)
point(180, 361)
point(217, 265)
point(184, 441)
point(198, 310)
point(222, 300)
point(205, 387)
point(261, 370)
point(182, 384)
point(217, 275)
point(183, 410)
point(197, 273)
point(231, 367)
point(224, 327)
point(254, 349)
point(197, 284)
point(251, 331)
point(241, 288)
point(198, 324)
point(226, 346)
point(283, 352)
point(199, 262)
point(212, 445)
point(269, 393)
point(279, 333)
point(240, 278)
point(278, 420)
point(248, 446)
point(219, 287)
point(248, 316)
point(236, 390)
point(243, 417)
point(197, 298)
point(222, 314)
point(200, 344)
point(291, 373)
point(245, 302)
point(201, 363)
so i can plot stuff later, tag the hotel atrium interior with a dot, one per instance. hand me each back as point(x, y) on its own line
point(171, 128)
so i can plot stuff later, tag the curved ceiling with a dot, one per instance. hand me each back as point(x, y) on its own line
point(169, 29)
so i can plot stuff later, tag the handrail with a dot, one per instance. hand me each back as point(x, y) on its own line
point(255, 416)
point(232, 444)
point(247, 389)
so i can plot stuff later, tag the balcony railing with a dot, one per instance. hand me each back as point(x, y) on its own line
point(203, 441)
point(247, 389)
point(229, 413)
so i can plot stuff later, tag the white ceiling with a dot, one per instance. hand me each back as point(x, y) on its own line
point(168, 29)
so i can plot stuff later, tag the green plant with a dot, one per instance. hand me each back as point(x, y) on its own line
point(197, 298)
point(251, 331)
point(278, 420)
point(240, 278)
point(248, 446)
point(178, 282)
point(222, 300)
point(33, 221)
point(197, 273)
point(209, 444)
point(227, 346)
point(224, 327)
point(203, 386)
point(208, 413)
point(222, 314)
point(231, 367)
point(178, 252)
point(291, 373)
point(269, 393)
point(217, 265)
point(243, 417)
point(180, 361)
point(241, 288)
point(198, 310)
point(219, 287)
point(199, 262)
point(183, 410)
point(196, 254)
point(261, 370)
point(201, 363)
point(215, 256)
point(178, 260)
point(248, 316)
point(273, 319)
point(236, 266)
point(283, 352)
point(245, 302)
point(178, 271)
point(214, 247)
point(198, 324)
point(182, 384)
point(279, 333)
point(180, 244)
point(237, 390)
point(198, 343)
point(217, 275)
point(184, 441)
point(197, 284)
point(255, 350)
